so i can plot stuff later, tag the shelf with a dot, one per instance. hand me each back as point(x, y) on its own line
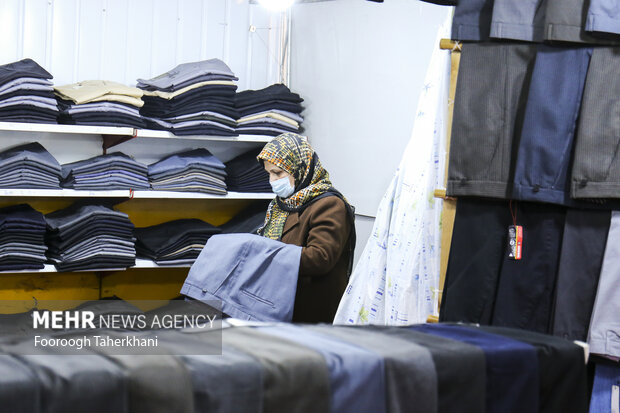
point(140, 263)
point(123, 131)
point(72, 193)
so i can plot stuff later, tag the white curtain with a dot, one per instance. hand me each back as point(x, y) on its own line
point(396, 279)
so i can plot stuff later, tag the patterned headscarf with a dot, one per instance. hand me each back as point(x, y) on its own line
point(294, 155)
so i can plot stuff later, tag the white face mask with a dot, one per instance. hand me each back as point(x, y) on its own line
point(282, 187)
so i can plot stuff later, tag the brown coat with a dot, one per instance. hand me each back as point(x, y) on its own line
point(322, 229)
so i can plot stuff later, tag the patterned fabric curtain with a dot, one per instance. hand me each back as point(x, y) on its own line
point(396, 279)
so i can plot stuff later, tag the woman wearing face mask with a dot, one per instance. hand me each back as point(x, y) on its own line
point(310, 213)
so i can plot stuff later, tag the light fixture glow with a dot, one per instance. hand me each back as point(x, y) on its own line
point(276, 5)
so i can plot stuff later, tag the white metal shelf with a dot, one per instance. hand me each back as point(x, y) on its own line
point(147, 194)
point(123, 131)
point(140, 263)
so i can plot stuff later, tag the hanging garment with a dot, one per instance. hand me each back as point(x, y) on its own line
point(488, 112)
point(410, 377)
point(395, 279)
point(596, 167)
point(546, 146)
point(603, 16)
point(518, 20)
point(525, 291)
point(606, 389)
point(583, 246)
point(604, 335)
point(511, 367)
point(287, 368)
point(472, 20)
point(566, 21)
point(475, 260)
point(356, 375)
point(254, 277)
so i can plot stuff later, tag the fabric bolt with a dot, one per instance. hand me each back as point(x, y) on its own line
point(460, 368)
point(254, 277)
point(596, 169)
point(604, 398)
point(410, 377)
point(511, 367)
point(561, 367)
point(583, 246)
point(472, 20)
point(475, 260)
point(567, 21)
point(604, 334)
point(526, 288)
point(488, 112)
point(546, 145)
point(356, 375)
point(295, 378)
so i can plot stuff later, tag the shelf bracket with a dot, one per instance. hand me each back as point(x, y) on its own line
point(109, 141)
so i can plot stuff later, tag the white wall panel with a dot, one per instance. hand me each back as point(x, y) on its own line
point(122, 40)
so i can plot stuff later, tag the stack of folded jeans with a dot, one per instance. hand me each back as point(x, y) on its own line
point(176, 242)
point(22, 243)
point(106, 172)
point(85, 237)
point(246, 174)
point(26, 93)
point(190, 171)
point(192, 99)
point(270, 111)
point(29, 166)
point(100, 102)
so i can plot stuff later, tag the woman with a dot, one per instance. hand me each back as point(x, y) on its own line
point(310, 213)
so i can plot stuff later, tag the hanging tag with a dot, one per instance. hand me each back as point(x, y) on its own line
point(615, 399)
point(515, 242)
